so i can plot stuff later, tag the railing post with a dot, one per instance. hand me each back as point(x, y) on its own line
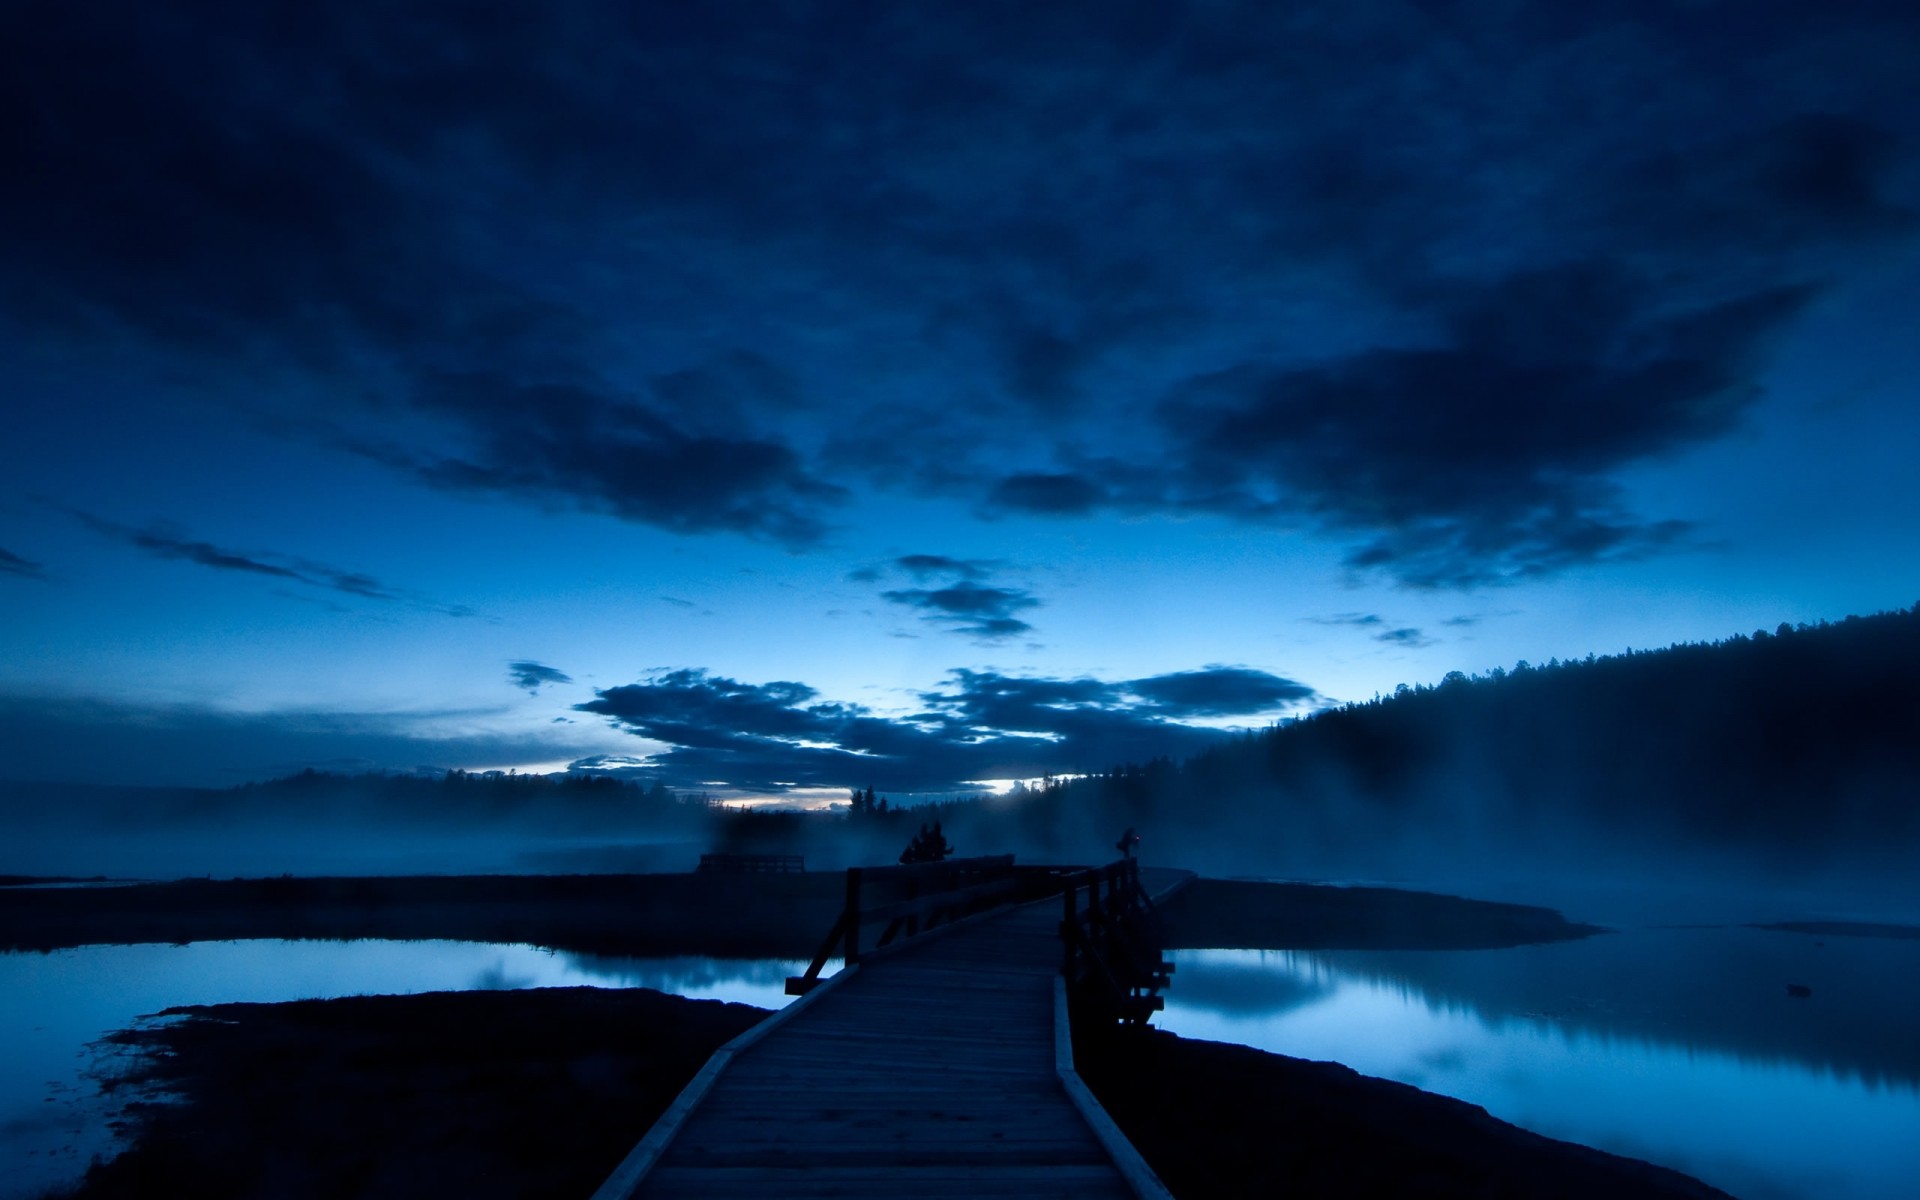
point(1068, 931)
point(853, 916)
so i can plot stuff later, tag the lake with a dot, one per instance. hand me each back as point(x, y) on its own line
point(52, 1006)
point(1679, 1046)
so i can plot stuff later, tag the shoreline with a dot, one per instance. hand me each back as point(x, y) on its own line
point(384, 1095)
point(281, 1099)
point(729, 916)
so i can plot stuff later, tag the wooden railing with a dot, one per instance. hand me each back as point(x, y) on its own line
point(911, 900)
point(1109, 938)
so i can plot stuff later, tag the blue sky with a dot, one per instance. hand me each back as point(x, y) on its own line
point(909, 397)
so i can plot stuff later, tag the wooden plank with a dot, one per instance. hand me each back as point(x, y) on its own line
point(935, 1073)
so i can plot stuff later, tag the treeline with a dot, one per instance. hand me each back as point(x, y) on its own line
point(481, 797)
point(1795, 747)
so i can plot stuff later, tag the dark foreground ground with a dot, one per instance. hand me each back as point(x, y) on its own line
point(541, 1093)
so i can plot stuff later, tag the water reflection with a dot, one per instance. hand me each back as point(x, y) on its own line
point(52, 1006)
point(1677, 1046)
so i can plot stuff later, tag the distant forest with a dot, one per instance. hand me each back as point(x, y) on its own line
point(1795, 750)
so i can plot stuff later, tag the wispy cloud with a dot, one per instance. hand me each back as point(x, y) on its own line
point(171, 542)
point(971, 608)
point(966, 604)
point(13, 564)
point(1377, 626)
point(525, 673)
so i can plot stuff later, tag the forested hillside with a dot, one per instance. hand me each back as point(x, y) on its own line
point(1796, 748)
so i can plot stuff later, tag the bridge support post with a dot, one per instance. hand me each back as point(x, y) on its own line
point(853, 916)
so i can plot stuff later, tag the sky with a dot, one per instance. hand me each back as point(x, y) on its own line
point(778, 399)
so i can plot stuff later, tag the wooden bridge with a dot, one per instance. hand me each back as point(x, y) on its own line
point(938, 1065)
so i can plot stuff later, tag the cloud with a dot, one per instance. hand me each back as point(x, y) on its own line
point(922, 566)
point(1357, 620)
point(13, 564)
point(1054, 494)
point(979, 725)
point(1409, 637)
point(525, 673)
point(976, 609)
point(1049, 265)
point(1487, 459)
point(1220, 692)
point(966, 604)
point(598, 450)
point(170, 542)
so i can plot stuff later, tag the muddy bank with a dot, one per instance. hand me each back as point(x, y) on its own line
point(1219, 1120)
point(1233, 914)
point(475, 1094)
point(724, 915)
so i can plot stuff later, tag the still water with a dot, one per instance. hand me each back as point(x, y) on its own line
point(1679, 1046)
point(52, 1006)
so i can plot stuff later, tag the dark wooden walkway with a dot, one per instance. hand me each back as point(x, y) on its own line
point(934, 1069)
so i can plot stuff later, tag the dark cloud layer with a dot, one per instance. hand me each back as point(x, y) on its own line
point(982, 725)
point(1431, 277)
point(1488, 459)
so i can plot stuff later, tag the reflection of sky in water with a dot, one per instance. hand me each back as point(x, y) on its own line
point(1759, 1124)
point(53, 1005)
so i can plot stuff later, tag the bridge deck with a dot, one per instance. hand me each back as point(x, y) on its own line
point(928, 1073)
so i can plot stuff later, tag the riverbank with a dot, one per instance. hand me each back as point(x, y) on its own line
point(1219, 1120)
point(723, 915)
point(745, 915)
point(541, 1093)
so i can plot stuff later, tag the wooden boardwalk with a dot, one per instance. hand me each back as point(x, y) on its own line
point(931, 1070)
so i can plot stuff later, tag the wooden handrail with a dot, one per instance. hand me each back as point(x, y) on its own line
point(1108, 953)
point(935, 893)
